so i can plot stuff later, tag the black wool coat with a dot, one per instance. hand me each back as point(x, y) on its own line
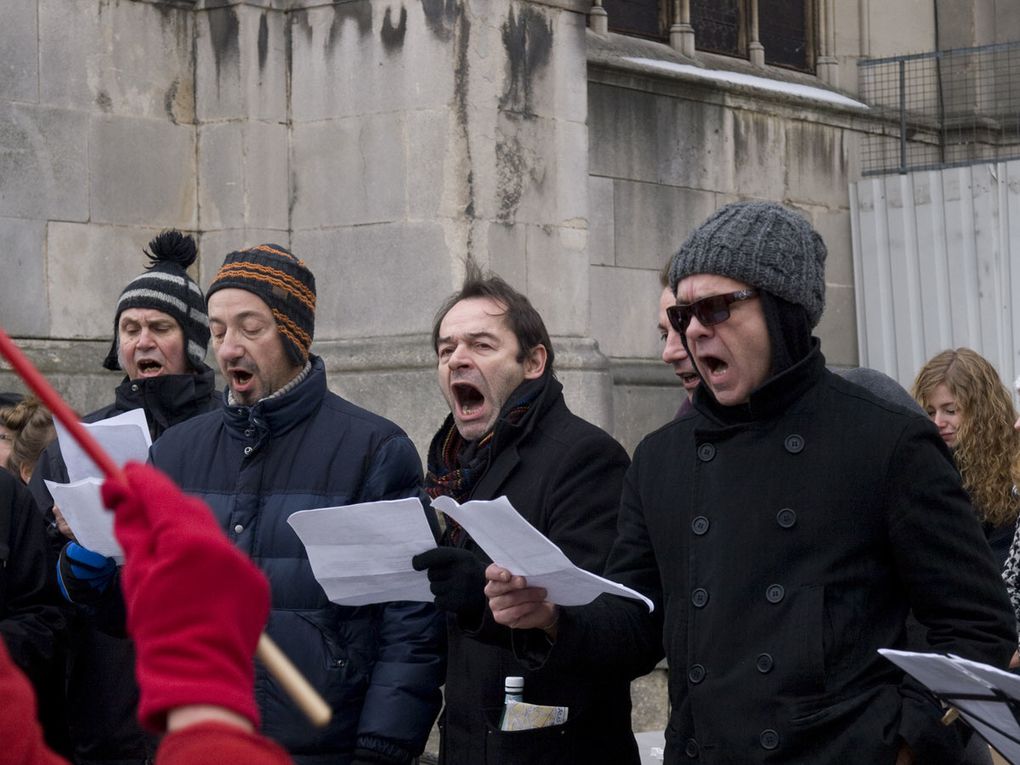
point(563, 475)
point(784, 543)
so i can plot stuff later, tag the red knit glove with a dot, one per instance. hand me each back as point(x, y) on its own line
point(196, 605)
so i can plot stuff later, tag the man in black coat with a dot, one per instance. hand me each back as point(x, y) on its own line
point(510, 433)
point(160, 336)
point(784, 529)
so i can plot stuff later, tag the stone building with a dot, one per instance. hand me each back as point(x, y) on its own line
point(569, 145)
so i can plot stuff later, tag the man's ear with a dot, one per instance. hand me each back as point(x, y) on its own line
point(534, 362)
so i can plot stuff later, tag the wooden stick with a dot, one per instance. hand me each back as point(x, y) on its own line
point(294, 683)
point(274, 660)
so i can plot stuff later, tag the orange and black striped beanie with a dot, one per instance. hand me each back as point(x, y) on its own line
point(284, 283)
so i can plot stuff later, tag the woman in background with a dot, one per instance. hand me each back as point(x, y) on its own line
point(30, 426)
point(962, 393)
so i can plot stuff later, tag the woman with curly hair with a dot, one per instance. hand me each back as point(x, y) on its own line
point(974, 412)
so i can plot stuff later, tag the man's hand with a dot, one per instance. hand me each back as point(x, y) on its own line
point(456, 578)
point(518, 606)
point(62, 525)
point(905, 756)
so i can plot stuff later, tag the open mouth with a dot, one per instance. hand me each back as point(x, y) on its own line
point(469, 399)
point(149, 368)
point(689, 380)
point(714, 365)
point(240, 377)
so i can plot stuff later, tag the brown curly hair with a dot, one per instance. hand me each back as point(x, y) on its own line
point(987, 450)
point(31, 426)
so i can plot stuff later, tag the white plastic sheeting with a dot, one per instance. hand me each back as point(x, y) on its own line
point(937, 266)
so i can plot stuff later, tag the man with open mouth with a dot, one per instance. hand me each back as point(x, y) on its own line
point(160, 335)
point(674, 352)
point(283, 442)
point(783, 528)
point(510, 433)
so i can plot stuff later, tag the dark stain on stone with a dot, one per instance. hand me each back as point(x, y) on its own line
point(393, 36)
point(104, 102)
point(460, 97)
point(441, 17)
point(528, 39)
point(170, 99)
point(223, 31)
point(510, 169)
point(263, 40)
point(300, 20)
point(359, 12)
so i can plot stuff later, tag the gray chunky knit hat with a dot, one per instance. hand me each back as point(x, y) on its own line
point(761, 244)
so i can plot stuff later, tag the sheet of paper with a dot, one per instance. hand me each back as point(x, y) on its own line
point(516, 545)
point(950, 676)
point(82, 507)
point(362, 554)
point(124, 437)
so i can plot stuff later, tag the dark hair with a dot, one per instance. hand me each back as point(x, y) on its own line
point(664, 274)
point(522, 318)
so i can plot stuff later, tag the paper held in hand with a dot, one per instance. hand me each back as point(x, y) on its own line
point(982, 694)
point(124, 437)
point(517, 546)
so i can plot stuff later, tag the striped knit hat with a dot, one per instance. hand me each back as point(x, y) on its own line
point(285, 284)
point(165, 286)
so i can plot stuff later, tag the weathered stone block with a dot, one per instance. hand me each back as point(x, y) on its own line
point(759, 147)
point(87, 267)
point(601, 214)
point(19, 40)
point(43, 163)
point(624, 303)
point(834, 226)
point(640, 407)
point(621, 133)
point(23, 290)
point(349, 171)
point(818, 164)
point(557, 274)
point(427, 164)
point(243, 175)
point(142, 172)
point(241, 52)
point(540, 166)
point(653, 220)
point(838, 327)
point(508, 253)
point(221, 187)
point(85, 58)
point(694, 145)
point(366, 57)
point(376, 280)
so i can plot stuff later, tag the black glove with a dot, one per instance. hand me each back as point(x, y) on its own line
point(457, 579)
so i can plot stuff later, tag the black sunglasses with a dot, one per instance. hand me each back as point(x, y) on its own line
point(710, 310)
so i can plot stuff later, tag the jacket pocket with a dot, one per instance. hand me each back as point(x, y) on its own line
point(555, 745)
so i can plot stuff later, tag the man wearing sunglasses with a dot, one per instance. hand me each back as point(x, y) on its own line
point(784, 528)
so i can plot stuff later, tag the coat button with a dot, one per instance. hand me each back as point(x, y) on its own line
point(700, 525)
point(706, 452)
point(249, 432)
point(238, 528)
point(774, 593)
point(134, 387)
point(248, 450)
point(769, 739)
point(699, 597)
point(786, 518)
point(691, 749)
point(763, 663)
point(696, 673)
point(794, 444)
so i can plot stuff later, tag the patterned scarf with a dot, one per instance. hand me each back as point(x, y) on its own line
point(455, 465)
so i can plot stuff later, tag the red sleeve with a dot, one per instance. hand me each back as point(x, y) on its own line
point(19, 729)
point(216, 742)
